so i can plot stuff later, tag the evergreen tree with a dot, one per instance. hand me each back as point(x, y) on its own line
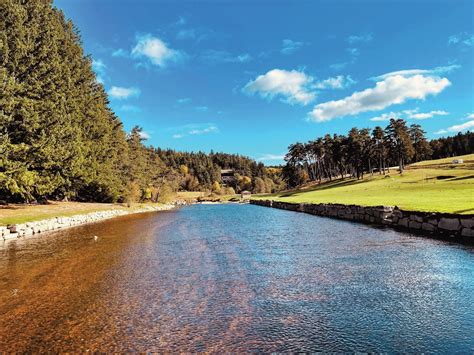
point(421, 146)
point(378, 137)
point(399, 142)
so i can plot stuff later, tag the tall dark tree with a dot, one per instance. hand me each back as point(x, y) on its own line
point(378, 137)
point(421, 146)
point(399, 142)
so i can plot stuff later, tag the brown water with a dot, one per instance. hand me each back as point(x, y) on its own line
point(236, 278)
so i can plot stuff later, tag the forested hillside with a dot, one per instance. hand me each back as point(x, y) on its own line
point(364, 151)
point(59, 139)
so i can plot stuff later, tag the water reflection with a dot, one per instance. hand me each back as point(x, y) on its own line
point(236, 278)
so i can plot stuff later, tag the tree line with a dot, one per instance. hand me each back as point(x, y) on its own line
point(59, 138)
point(364, 151)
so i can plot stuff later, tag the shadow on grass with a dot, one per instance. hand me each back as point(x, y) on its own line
point(326, 186)
point(462, 178)
point(462, 211)
point(9, 207)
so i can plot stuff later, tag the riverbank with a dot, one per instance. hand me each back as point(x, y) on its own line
point(190, 197)
point(456, 227)
point(66, 217)
point(429, 186)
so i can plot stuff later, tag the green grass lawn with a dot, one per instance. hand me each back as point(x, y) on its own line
point(447, 162)
point(437, 186)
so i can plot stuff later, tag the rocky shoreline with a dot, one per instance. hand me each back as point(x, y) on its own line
point(51, 224)
point(455, 227)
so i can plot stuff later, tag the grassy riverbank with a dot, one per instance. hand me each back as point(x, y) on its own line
point(191, 196)
point(21, 213)
point(435, 185)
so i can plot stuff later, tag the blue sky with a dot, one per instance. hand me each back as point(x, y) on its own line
point(252, 77)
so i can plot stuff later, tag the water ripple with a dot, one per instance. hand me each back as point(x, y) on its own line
point(239, 279)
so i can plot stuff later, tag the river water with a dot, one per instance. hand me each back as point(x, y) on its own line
point(235, 278)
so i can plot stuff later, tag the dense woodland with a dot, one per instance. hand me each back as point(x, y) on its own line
point(59, 139)
point(364, 151)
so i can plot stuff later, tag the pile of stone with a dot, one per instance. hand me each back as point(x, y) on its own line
point(30, 228)
point(450, 225)
point(453, 226)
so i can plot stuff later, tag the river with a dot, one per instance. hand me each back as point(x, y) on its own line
point(235, 278)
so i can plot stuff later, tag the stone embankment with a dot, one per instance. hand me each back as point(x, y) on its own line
point(55, 223)
point(439, 225)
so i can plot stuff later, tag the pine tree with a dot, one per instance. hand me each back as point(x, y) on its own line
point(378, 138)
point(399, 142)
point(421, 146)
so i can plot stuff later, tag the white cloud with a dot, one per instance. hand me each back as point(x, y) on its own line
point(353, 51)
point(184, 100)
point(120, 53)
point(155, 50)
point(393, 90)
point(385, 117)
point(121, 93)
point(271, 157)
point(99, 68)
point(144, 135)
point(445, 69)
point(409, 72)
point(453, 39)
point(210, 129)
point(469, 42)
point(409, 114)
point(470, 116)
point(130, 108)
point(463, 39)
point(457, 128)
point(201, 108)
point(194, 130)
point(289, 46)
point(362, 38)
point(215, 56)
point(425, 115)
point(338, 82)
point(293, 86)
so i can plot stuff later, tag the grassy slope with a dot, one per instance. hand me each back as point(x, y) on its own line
point(18, 213)
point(436, 185)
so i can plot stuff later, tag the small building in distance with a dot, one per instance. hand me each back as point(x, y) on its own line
point(245, 195)
point(227, 177)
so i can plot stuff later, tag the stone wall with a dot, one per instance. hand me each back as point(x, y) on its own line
point(30, 228)
point(441, 225)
